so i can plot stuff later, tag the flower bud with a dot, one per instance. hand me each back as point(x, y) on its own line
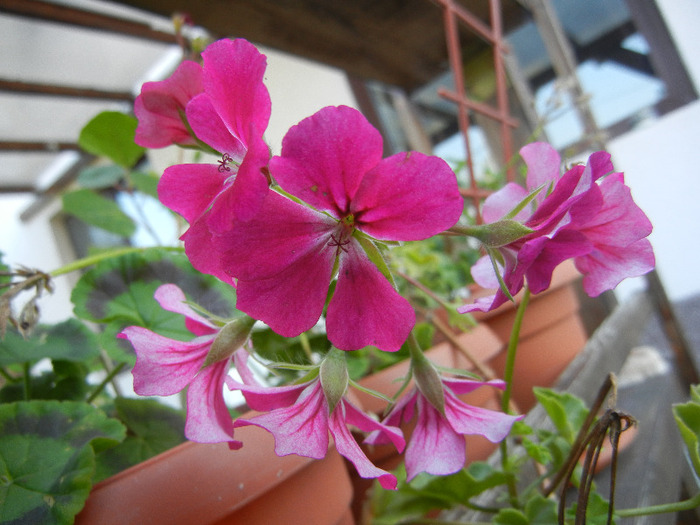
point(231, 337)
point(334, 377)
point(429, 383)
point(500, 233)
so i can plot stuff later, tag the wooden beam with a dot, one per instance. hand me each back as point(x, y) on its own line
point(63, 14)
point(37, 146)
point(32, 88)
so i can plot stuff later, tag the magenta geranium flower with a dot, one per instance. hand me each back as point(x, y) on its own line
point(300, 419)
point(165, 366)
point(230, 116)
point(437, 444)
point(285, 257)
point(160, 108)
point(617, 230)
point(584, 215)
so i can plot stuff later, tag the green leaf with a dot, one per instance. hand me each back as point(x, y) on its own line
point(100, 177)
point(152, 428)
point(98, 211)
point(687, 417)
point(119, 293)
point(566, 411)
point(426, 492)
point(510, 517)
point(596, 511)
point(145, 182)
point(66, 382)
point(541, 511)
point(70, 340)
point(47, 462)
point(111, 134)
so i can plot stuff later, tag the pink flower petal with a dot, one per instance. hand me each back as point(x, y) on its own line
point(606, 266)
point(210, 129)
point(434, 446)
point(208, 418)
point(164, 366)
point(202, 252)
point(466, 419)
point(291, 302)
point(245, 197)
point(232, 76)
point(301, 428)
point(365, 308)
point(189, 189)
point(281, 234)
point(499, 204)
point(543, 165)
point(160, 106)
point(407, 197)
point(325, 156)
point(172, 298)
point(357, 418)
point(346, 445)
point(258, 397)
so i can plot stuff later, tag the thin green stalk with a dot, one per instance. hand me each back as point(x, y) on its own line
point(512, 349)
point(8, 377)
point(103, 256)
point(663, 508)
point(508, 378)
point(27, 382)
point(112, 373)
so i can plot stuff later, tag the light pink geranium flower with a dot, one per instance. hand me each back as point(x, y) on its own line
point(165, 366)
point(437, 445)
point(284, 257)
point(582, 215)
point(300, 419)
point(160, 108)
point(230, 116)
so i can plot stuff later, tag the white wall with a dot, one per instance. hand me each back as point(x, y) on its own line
point(660, 165)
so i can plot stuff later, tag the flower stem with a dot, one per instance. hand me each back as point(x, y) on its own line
point(112, 373)
point(27, 382)
point(687, 504)
point(512, 349)
point(508, 378)
point(103, 256)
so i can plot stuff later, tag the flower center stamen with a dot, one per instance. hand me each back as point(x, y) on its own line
point(223, 163)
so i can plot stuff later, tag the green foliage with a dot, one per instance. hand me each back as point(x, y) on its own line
point(426, 492)
point(111, 134)
point(152, 428)
point(119, 292)
point(47, 458)
point(96, 210)
point(145, 182)
point(69, 340)
point(100, 177)
point(537, 511)
point(687, 417)
point(566, 411)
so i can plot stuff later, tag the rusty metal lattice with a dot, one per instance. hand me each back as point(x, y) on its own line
point(455, 15)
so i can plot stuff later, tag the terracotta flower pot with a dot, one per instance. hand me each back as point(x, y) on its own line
point(552, 334)
point(210, 484)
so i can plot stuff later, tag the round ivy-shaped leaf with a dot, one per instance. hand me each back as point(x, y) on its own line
point(47, 460)
point(70, 340)
point(152, 428)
